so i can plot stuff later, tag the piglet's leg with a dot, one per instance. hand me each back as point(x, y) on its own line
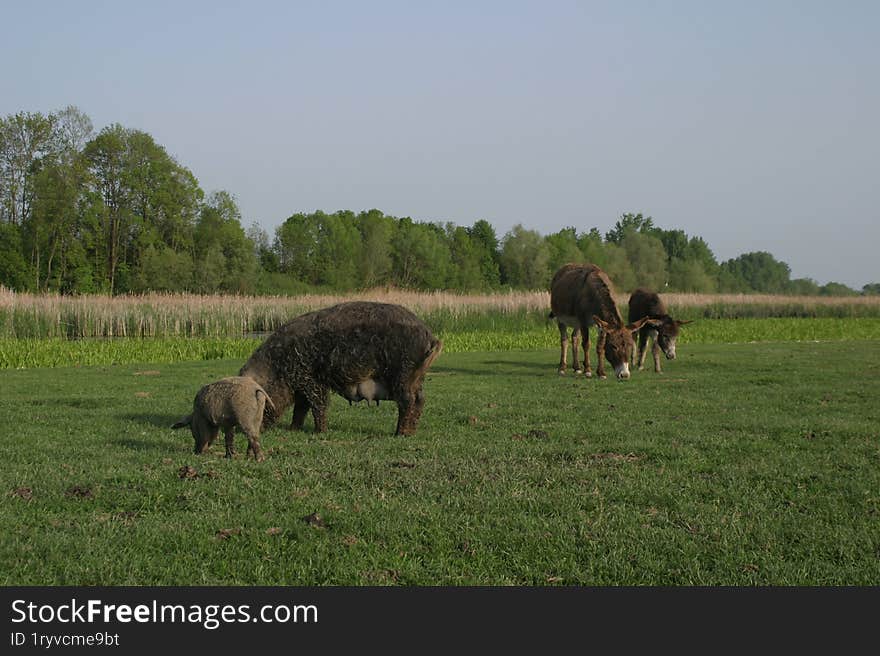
point(254, 448)
point(229, 436)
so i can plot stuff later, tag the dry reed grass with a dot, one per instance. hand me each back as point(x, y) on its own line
point(190, 315)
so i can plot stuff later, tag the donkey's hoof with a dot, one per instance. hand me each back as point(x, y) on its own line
point(561, 372)
point(589, 374)
point(578, 371)
point(603, 377)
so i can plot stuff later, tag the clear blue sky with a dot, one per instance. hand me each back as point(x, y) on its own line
point(751, 124)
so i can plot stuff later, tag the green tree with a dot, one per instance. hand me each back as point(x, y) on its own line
point(25, 139)
point(338, 250)
point(803, 287)
point(466, 272)
point(618, 267)
point(297, 240)
point(266, 255)
point(54, 220)
point(757, 271)
point(164, 196)
point(629, 223)
point(375, 261)
point(13, 268)
point(162, 269)
point(837, 289)
point(871, 289)
point(106, 158)
point(563, 248)
point(591, 247)
point(698, 249)
point(485, 241)
point(525, 259)
point(675, 244)
point(690, 276)
point(147, 198)
point(422, 259)
point(223, 252)
point(63, 224)
point(647, 258)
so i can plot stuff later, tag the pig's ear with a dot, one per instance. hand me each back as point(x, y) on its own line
point(186, 421)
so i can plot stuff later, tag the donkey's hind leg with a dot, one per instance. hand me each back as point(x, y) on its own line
point(575, 338)
point(563, 344)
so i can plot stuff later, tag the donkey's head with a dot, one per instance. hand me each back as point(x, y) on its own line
point(667, 333)
point(619, 343)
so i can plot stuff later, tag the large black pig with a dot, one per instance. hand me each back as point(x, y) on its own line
point(360, 350)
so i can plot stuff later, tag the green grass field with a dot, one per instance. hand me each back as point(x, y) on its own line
point(741, 464)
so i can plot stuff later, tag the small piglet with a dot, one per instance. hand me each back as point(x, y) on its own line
point(227, 403)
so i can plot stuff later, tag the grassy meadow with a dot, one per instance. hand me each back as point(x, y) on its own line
point(747, 464)
point(754, 459)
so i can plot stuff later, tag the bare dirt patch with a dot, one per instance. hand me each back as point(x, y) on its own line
point(315, 520)
point(80, 492)
point(23, 493)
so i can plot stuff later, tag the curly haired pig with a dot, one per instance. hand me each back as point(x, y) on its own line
point(227, 403)
point(360, 349)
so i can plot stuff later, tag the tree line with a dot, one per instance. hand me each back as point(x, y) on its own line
point(113, 212)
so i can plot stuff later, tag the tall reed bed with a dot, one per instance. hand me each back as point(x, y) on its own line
point(32, 316)
point(189, 315)
point(762, 306)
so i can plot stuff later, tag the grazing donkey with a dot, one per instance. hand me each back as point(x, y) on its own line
point(581, 295)
point(645, 303)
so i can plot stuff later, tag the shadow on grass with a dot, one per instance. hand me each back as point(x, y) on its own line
point(546, 367)
point(160, 421)
point(72, 402)
point(491, 368)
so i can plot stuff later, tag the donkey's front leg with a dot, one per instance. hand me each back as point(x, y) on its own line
point(585, 332)
point(600, 351)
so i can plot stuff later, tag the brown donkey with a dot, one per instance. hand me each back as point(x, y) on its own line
point(581, 295)
point(645, 303)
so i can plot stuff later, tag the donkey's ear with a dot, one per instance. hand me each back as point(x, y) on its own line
point(683, 323)
point(601, 323)
point(641, 322)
